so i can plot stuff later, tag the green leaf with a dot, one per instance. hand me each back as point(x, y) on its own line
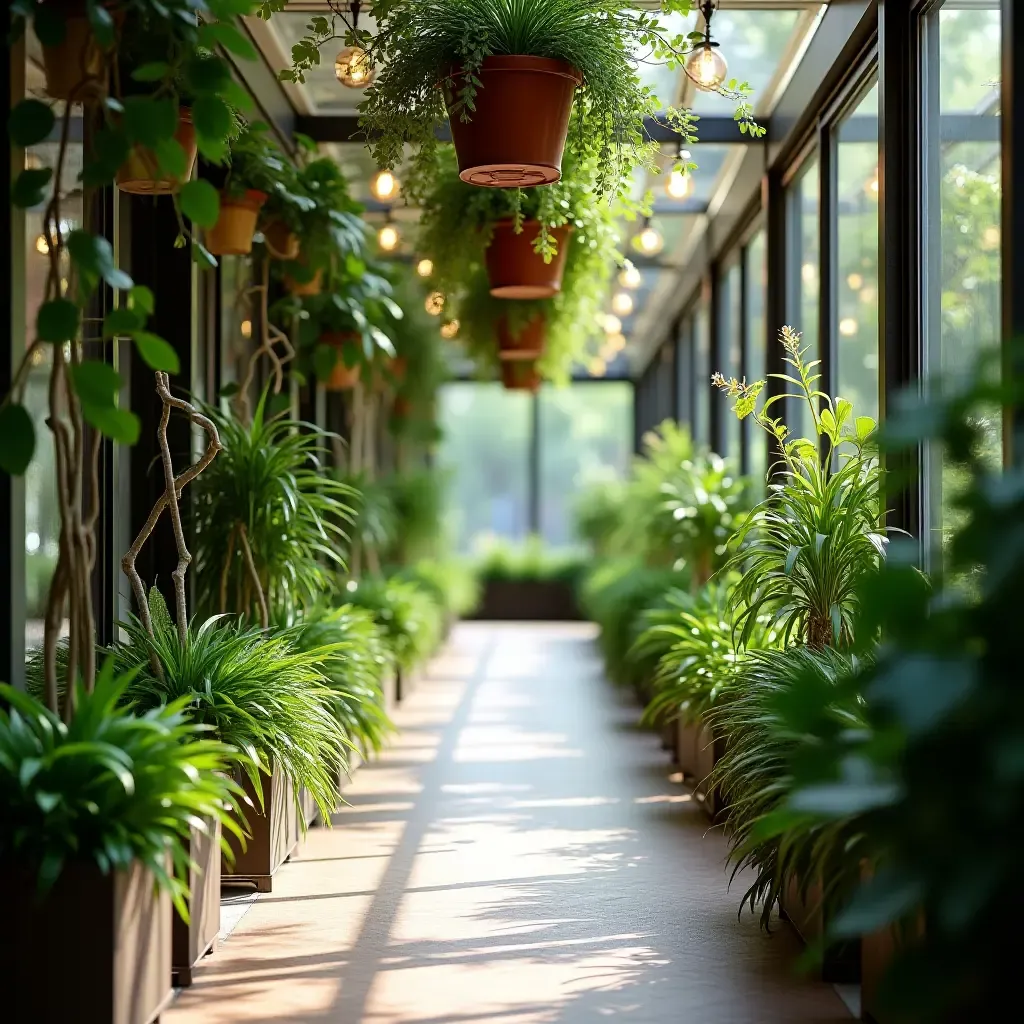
point(325, 358)
point(200, 202)
point(224, 34)
point(95, 382)
point(157, 353)
point(30, 187)
point(49, 25)
point(140, 297)
point(148, 121)
point(30, 122)
point(122, 320)
point(203, 256)
point(119, 425)
point(57, 321)
point(880, 901)
point(19, 439)
point(865, 426)
point(154, 71)
point(102, 22)
point(171, 158)
point(95, 255)
point(207, 75)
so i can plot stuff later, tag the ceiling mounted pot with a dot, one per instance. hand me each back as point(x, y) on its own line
point(528, 344)
point(517, 133)
point(520, 375)
point(236, 224)
point(515, 270)
point(281, 242)
point(140, 174)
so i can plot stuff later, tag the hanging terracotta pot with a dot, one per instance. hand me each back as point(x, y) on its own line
point(398, 366)
point(236, 224)
point(517, 133)
point(140, 173)
point(76, 66)
point(527, 344)
point(342, 378)
point(520, 375)
point(515, 271)
point(282, 243)
point(305, 288)
point(402, 407)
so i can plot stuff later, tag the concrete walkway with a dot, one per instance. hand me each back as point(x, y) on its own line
point(518, 856)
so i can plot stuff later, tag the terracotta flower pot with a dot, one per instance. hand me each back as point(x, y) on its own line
point(520, 375)
point(281, 242)
point(528, 344)
point(517, 133)
point(399, 367)
point(342, 378)
point(402, 407)
point(110, 935)
point(75, 67)
point(515, 271)
point(140, 174)
point(305, 288)
point(236, 224)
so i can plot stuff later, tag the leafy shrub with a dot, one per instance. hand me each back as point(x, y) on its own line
point(410, 620)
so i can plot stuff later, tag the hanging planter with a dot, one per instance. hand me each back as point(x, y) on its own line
point(75, 67)
point(520, 375)
point(342, 377)
point(515, 270)
point(140, 173)
point(282, 243)
point(518, 128)
point(236, 224)
point(528, 344)
point(305, 288)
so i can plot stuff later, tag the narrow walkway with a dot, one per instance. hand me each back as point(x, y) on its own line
point(518, 856)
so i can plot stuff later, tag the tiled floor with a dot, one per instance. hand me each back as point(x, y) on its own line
point(520, 857)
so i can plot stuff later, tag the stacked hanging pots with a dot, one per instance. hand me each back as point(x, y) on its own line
point(524, 342)
point(514, 267)
point(520, 375)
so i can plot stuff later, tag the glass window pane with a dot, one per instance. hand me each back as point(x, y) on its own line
point(755, 356)
point(730, 344)
point(586, 437)
point(684, 370)
point(962, 225)
point(485, 453)
point(804, 276)
point(856, 315)
point(701, 375)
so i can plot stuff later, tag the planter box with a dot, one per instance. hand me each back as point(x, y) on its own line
point(95, 950)
point(390, 688)
point(274, 833)
point(191, 942)
point(876, 953)
point(841, 963)
point(708, 751)
point(528, 601)
point(686, 749)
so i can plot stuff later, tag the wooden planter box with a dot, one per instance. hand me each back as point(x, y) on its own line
point(95, 950)
point(274, 833)
point(191, 942)
point(708, 751)
point(686, 749)
point(841, 963)
point(390, 687)
point(528, 601)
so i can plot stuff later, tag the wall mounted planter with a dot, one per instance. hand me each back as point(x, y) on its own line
point(233, 233)
point(281, 242)
point(274, 833)
point(95, 950)
point(140, 173)
point(515, 270)
point(517, 133)
point(191, 942)
point(520, 375)
point(527, 344)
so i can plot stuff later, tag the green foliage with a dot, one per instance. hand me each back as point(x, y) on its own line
point(375, 523)
point(263, 693)
point(269, 487)
point(755, 777)
point(804, 549)
point(530, 561)
point(328, 223)
point(599, 515)
point(451, 583)
point(354, 669)
point(407, 616)
point(417, 501)
point(113, 786)
point(933, 785)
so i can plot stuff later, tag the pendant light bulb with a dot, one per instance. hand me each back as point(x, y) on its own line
point(388, 237)
point(630, 277)
point(706, 67)
point(425, 268)
point(612, 324)
point(622, 305)
point(649, 241)
point(353, 69)
point(679, 185)
point(434, 304)
point(450, 329)
point(385, 185)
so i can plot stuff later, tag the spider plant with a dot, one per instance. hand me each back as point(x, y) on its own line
point(804, 549)
point(263, 693)
point(354, 670)
point(269, 521)
point(704, 655)
point(113, 786)
point(755, 776)
point(407, 616)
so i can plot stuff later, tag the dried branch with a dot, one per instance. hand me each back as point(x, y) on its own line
point(173, 486)
point(254, 576)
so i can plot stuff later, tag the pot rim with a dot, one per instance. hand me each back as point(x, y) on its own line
point(252, 199)
point(520, 62)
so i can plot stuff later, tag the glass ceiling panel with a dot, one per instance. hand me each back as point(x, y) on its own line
point(753, 42)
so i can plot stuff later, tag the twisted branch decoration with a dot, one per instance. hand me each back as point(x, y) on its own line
point(173, 486)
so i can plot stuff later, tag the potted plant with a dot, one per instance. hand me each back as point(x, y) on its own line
point(75, 57)
point(520, 375)
point(506, 76)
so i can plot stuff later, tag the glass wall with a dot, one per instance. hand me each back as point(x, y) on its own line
point(586, 437)
point(963, 269)
point(684, 370)
point(755, 341)
point(803, 298)
point(702, 374)
point(730, 347)
point(855, 311)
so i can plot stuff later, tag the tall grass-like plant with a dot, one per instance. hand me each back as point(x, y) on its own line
point(804, 549)
point(262, 693)
point(112, 786)
point(412, 623)
point(269, 520)
point(755, 776)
